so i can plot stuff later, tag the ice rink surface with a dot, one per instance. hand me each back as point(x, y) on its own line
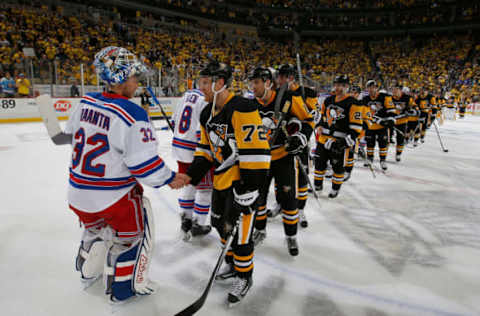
point(405, 243)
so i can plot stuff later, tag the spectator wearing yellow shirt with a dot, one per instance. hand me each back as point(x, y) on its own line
point(23, 86)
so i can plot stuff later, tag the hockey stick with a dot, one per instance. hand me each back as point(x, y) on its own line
point(195, 306)
point(303, 169)
point(439, 138)
point(47, 112)
point(149, 89)
point(281, 115)
point(399, 131)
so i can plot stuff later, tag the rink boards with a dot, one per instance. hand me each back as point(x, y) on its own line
point(25, 110)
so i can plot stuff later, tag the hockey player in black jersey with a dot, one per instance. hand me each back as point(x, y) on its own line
point(425, 102)
point(340, 124)
point(382, 111)
point(404, 105)
point(234, 141)
point(291, 112)
point(286, 74)
point(355, 92)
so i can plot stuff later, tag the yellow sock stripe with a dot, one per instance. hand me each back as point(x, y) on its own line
point(293, 212)
point(286, 221)
point(243, 258)
point(261, 217)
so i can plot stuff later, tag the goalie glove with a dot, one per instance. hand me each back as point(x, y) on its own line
point(296, 143)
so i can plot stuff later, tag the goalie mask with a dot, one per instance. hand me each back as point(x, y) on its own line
point(115, 65)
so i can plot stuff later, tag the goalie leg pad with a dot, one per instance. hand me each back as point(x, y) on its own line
point(128, 262)
point(91, 254)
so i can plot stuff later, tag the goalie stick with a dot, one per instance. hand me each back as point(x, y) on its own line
point(195, 306)
point(50, 120)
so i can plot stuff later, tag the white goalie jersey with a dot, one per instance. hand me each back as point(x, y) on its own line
point(187, 125)
point(114, 148)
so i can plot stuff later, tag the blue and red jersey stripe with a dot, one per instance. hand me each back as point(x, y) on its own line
point(147, 168)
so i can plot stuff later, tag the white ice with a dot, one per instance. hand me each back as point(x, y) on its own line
point(404, 243)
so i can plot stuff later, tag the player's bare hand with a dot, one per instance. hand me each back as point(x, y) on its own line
point(180, 180)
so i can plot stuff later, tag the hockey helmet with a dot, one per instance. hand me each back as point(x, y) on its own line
point(217, 70)
point(371, 83)
point(342, 79)
point(115, 65)
point(286, 70)
point(262, 73)
point(355, 89)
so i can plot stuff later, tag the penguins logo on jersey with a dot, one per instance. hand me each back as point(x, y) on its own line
point(400, 105)
point(375, 106)
point(333, 114)
point(224, 146)
point(269, 122)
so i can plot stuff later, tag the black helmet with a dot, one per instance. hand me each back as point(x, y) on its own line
point(371, 83)
point(286, 70)
point(262, 73)
point(342, 79)
point(217, 70)
point(356, 89)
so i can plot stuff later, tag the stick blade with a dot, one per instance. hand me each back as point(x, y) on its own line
point(47, 112)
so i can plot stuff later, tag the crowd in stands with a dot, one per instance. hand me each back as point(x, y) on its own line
point(62, 42)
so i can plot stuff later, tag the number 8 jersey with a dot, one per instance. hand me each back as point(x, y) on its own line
point(114, 147)
point(187, 125)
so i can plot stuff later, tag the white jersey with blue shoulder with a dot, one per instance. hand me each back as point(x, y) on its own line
point(114, 147)
point(187, 125)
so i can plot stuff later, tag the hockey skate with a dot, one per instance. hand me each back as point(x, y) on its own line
point(303, 218)
point(333, 194)
point(383, 164)
point(347, 176)
point(186, 227)
point(415, 143)
point(273, 212)
point(226, 273)
point(259, 236)
point(397, 158)
point(200, 230)
point(319, 187)
point(292, 245)
point(239, 290)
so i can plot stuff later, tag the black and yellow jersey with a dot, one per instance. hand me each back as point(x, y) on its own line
point(295, 109)
point(235, 142)
point(403, 105)
point(462, 103)
point(450, 103)
point(380, 106)
point(311, 99)
point(340, 117)
point(426, 103)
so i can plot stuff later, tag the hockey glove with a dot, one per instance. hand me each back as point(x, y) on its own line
point(243, 202)
point(349, 141)
point(328, 144)
point(296, 143)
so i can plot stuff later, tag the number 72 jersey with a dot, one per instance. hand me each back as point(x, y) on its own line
point(114, 148)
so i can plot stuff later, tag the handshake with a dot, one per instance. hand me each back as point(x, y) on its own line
point(180, 180)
